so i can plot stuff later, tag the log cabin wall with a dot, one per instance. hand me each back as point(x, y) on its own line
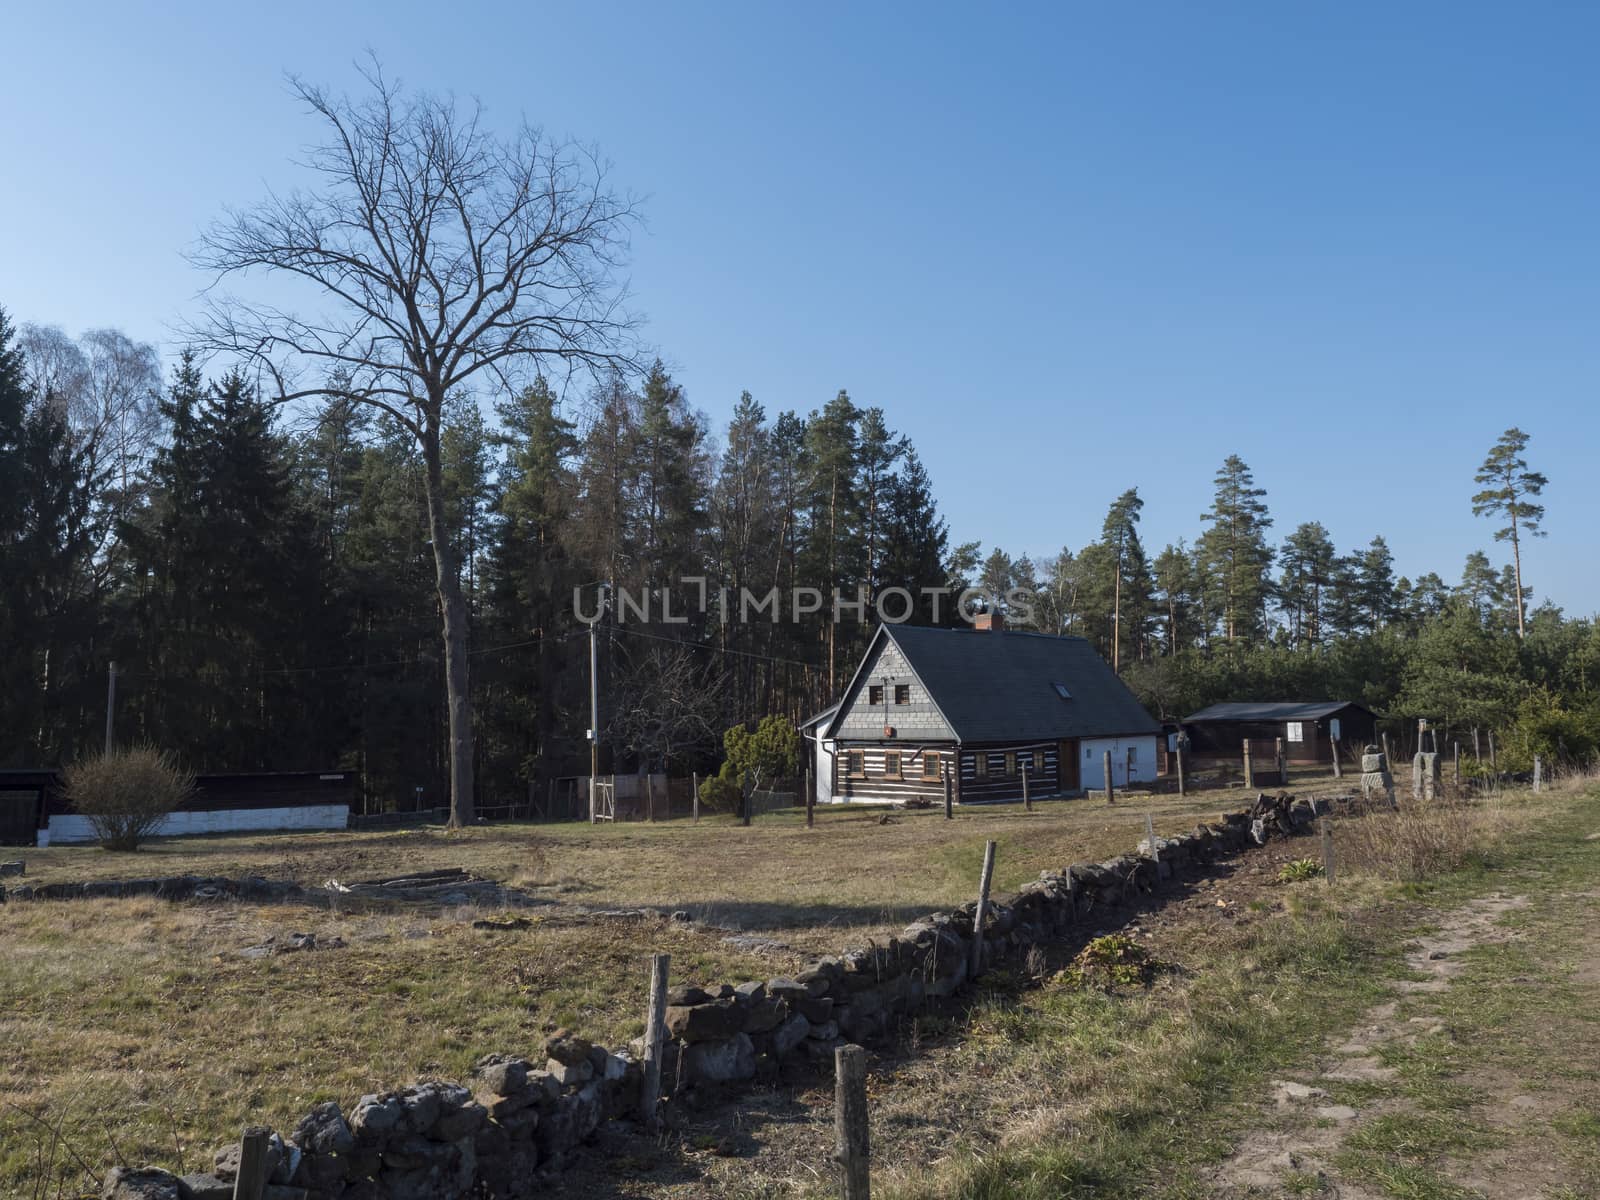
point(879, 782)
point(1044, 766)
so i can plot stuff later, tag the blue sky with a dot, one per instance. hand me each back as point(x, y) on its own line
point(1070, 249)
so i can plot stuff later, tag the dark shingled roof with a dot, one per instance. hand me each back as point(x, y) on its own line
point(1000, 686)
point(1309, 710)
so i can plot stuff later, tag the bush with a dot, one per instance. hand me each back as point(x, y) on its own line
point(773, 749)
point(720, 794)
point(126, 794)
point(1300, 869)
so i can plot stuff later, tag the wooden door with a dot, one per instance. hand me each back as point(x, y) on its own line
point(1067, 765)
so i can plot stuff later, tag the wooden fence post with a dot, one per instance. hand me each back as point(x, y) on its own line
point(949, 798)
point(1338, 767)
point(1494, 761)
point(1325, 831)
point(251, 1180)
point(1027, 801)
point(1280, 762)
point(1181, 782)
point(655, 1038)
point(983, 909)
point(694, 790)
point(1150, 842)
point(851, 1137)
point(1249, 767)
point(1538, 773)
point(1387, 757)
point(649, 796)
point(1458, 765)
point(1105, 764)
point(811, 801)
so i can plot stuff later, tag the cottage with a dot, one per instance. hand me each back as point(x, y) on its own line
point(982, 706)
point(1310, 729)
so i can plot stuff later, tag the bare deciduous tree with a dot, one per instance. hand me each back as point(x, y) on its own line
point(668, 703)
point(437, 258)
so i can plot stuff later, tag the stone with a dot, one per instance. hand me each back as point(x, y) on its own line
point(545, 1086)
point(208, 1187)
point(765, 1014)
point(149, 1183)
point(727, 1061)
point(225, 1163)
point(502, 1074)
point(568, 1048)
point(374, 1118)
point(459, 1121)
point(705, 1022)
point(419, 1107)
point(751, 992)
point(787, 989)
point(684, 996)
point(616, 1068)
point(323, 1131)
point(817, 1010)
point(828, 1031)
point(14, 867)
point(569, 1075)
point(320, 1172)
point(790, 1034)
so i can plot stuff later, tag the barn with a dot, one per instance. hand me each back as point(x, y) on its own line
point(983, 706)
point(1310, 730)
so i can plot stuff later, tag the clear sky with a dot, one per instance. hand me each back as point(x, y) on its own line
point(1069, 248)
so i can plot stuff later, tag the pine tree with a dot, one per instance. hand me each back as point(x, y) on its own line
point(1509, 486)
point(834, 549)
point(1233, 554)
point(1307, 563)
point(1376, 584)
point(1176, 589)
point(1130, 583)
point(915, 537)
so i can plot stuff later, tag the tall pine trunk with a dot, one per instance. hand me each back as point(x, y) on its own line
point(457, 663)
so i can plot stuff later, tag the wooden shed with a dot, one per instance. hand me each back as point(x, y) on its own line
point(1309, 728)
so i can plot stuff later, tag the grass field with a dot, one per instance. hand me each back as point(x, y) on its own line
point(137, 1028)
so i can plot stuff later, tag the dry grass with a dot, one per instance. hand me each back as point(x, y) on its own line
point(138, 1028)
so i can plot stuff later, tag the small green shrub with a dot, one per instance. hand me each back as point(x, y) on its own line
point(1114, 960)
point(720, 794)
point(127, 794)
point(1299, 870)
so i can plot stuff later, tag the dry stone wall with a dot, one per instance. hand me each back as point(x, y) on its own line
point(506, 1133)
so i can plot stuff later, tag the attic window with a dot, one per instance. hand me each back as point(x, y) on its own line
point(902, 693)
point(1061, 690)
point(875, 694)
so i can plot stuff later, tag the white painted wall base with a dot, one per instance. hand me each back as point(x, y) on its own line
point(70, 827)
point(1091, 764)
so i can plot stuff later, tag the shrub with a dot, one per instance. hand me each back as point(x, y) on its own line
point(1299, 869)
point(720, 794)
point(1114, 960)
point(773, 749)
point(126, 794)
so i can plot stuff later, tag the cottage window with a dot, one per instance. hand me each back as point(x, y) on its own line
point(902, 693)
point(1297, 731)
point(891, 765)
point(930, 766)
point(875, 694)
point(980, 765)
point(1061, 690)
point(1011, 762)
point(855, 762)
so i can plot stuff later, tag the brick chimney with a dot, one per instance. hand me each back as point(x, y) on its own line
point(989, 622)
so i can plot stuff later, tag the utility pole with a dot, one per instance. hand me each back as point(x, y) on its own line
point(594, 721)
point(111, 705)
